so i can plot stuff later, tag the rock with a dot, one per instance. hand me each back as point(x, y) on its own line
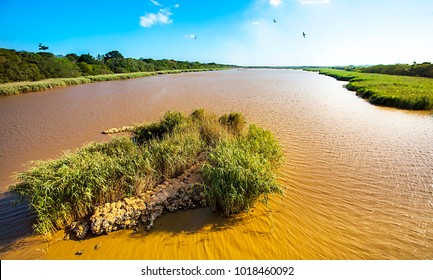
point(173, 194)
point(97, 246)
point(80, 228)
point(118, 130)
point(79, 253)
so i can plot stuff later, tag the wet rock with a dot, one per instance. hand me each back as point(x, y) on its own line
point(79, 228)
point(184, 192)
point(79, 253)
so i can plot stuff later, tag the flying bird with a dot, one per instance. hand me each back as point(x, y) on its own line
point(303, 34)
point(275, 21)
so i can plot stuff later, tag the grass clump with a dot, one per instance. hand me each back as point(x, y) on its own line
point(234, 122)
point(239, 167)
point(65, 189)
point(169, 122)
point(211, 130)
point(241, 170)
point(175, 152)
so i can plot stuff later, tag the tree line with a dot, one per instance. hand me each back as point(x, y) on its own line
point(16, 66)
point(424, 69)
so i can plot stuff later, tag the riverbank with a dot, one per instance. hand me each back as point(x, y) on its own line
point(239, 166)
point(25, 87)
point(402, 92)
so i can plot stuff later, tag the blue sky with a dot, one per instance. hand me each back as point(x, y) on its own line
point(338, 32)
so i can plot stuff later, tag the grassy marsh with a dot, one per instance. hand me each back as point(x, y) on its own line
point(245, 160)
point(402, 92)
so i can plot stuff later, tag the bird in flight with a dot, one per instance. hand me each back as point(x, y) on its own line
point(275, 21)
point(303, 34)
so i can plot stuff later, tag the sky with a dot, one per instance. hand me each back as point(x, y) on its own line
point(241, 32)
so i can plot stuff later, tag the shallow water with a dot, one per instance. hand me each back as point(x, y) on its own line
point(358, 178)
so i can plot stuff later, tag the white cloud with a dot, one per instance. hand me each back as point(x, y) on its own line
point(306, 2)
point(256, 22)
point(156, 3)
point(176, 5)
point(191, 36)
point(150, 19)
point(275, 3)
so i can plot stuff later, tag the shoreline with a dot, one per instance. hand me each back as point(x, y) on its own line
point(35, 86)
point(400, 92)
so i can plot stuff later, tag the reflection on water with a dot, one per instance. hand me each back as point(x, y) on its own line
point(358, 178)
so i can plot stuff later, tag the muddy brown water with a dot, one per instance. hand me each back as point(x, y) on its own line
point(358, 178)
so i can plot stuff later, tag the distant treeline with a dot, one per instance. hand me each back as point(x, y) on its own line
point(424, 69)
point(16, 66)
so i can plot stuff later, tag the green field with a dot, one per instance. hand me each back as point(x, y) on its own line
point(403, 92)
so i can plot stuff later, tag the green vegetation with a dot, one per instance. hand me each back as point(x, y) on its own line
point(23, 87)
point(414, 93)
point(239, 171)
point(240, 167)
point(424, 69)
point(20, 70)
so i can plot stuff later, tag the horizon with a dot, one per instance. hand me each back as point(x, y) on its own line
point(260, 33)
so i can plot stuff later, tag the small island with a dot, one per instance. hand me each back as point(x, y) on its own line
point(179, 162)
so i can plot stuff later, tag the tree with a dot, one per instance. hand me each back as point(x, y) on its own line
point(72, 57)
point(111, 55)
point(42, 47)
point(87, 58)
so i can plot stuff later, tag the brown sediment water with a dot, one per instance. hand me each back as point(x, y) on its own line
point(358, 178)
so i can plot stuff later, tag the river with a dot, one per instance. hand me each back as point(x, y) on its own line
point(358, 178)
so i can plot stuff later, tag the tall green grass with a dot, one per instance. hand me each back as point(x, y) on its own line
point(241, 167)
point(241, 170)
point(156, 130)
point(24, 87)
point(403, 92)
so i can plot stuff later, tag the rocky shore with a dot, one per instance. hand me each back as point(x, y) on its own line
point(183, 192)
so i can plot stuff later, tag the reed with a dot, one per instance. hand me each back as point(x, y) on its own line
point(156, 130)
point(65, 189)
point(23, 87)
point(241, 167)
point(402, 92)
point(234, 122)
point(241, 170)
